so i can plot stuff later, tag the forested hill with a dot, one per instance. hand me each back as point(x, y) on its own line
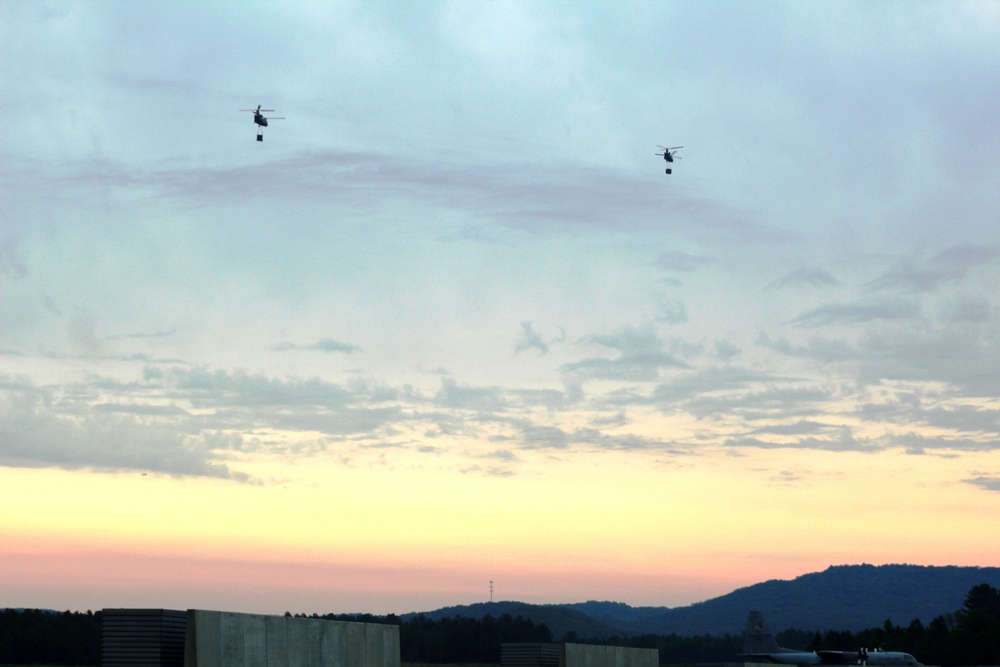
point(559, 619)
point(842, 597)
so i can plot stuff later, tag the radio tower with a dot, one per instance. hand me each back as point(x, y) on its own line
point(491, 591)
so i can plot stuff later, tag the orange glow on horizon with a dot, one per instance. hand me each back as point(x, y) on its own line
point(640, 533)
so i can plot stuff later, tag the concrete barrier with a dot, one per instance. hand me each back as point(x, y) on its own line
point(589, 655)
point(576, 655)
point(227, 639)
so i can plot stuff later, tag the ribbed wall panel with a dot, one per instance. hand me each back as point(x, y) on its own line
point(529, 654)
point(143, 637)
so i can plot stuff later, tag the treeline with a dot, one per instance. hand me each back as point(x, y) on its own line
point(969, 636)
point(30, 636)
point(674, 649)
point(456, 639)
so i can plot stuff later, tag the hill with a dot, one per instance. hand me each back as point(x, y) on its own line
point(842, 597)
point(560, 619)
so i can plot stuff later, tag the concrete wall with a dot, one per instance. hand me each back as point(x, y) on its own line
point(228, 639)
point(587, 655)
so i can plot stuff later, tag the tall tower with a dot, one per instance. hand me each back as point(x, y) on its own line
point(491, 591)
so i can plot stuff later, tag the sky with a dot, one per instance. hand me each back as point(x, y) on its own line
point(450, 323)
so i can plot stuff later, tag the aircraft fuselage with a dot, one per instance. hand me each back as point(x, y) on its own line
point(760, 644)
point(875, 658)
point(791, 658)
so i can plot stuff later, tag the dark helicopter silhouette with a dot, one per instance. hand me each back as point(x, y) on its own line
point(668, 155)
point(259, 118)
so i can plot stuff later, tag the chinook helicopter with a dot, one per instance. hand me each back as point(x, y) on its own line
point(258, 117)
point(668, 155)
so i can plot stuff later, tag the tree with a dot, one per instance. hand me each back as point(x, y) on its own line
point(977, 627)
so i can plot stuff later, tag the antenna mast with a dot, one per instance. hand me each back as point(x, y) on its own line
point(491, 591)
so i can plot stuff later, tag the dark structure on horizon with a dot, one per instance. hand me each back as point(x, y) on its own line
point(143, 637)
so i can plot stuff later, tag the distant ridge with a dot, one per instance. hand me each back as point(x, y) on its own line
point(842, 597)
point(560, 619)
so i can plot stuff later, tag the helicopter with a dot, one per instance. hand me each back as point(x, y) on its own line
point(259, 118)
point(668, 155)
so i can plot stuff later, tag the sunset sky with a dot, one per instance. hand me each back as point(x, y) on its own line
point(450, 322)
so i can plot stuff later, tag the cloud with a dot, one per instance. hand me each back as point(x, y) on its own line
point(141, 409)
point(679, 262)
point(802, 427)
point(189, 422)
point(322, 345)
point(967, 359)
point(502, 455)
point(240, 400)
point(972, 309)
point(527, 435)
point(671, 311)
point(488, 471)
point(963, 355)
point(221, 388)
point(817, 347)
point(145, 336)
point(786, 477)
point(781, 401)
point(728, 389)
point(82, 329)
point(531, 339)
point(915, 442)
point(805, 276)
point(498, 199)
point(641, 355)
point(857, 313)
point(550, 399)
point(842, 439)
point(10, 263)
point(915, 406)
point(949, 266)
point(985, 482)
point(726, 350)
point(480, 399)
point(34, 434)
point(615, 419)
point(533, 436)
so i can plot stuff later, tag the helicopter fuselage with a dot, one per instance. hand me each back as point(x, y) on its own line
point(260, 120)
